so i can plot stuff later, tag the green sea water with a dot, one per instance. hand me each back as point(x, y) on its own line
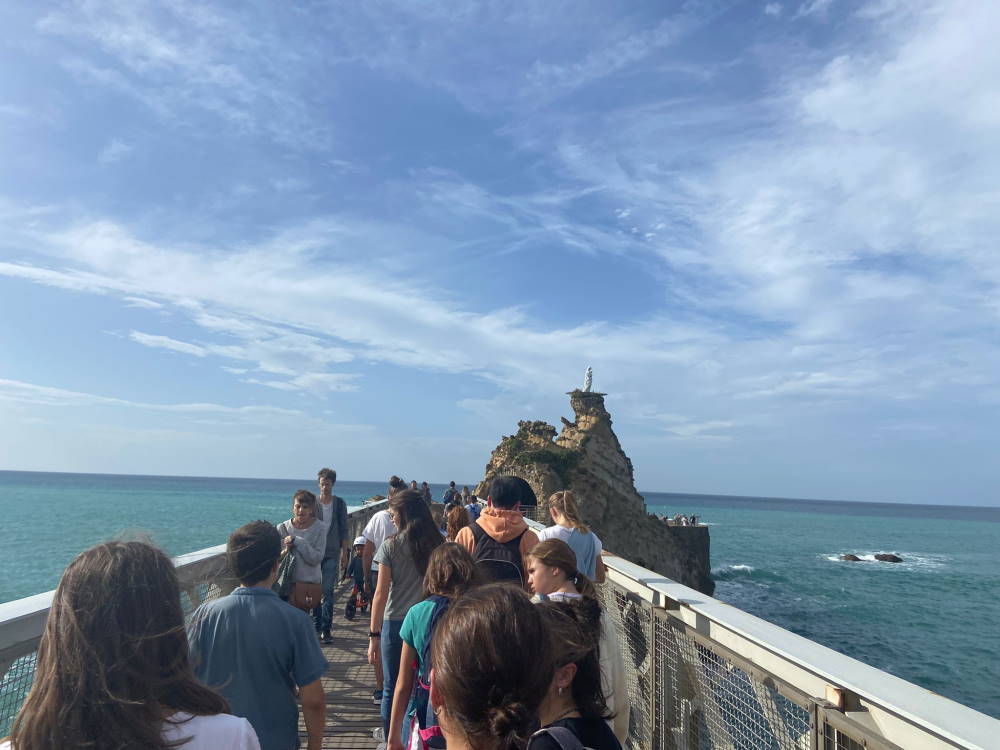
point(931, 619)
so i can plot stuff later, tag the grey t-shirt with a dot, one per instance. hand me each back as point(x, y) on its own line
point(336, 534)
point(407, 582)
point(254, 649)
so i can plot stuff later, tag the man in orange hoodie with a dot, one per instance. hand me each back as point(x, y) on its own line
point(500, 540)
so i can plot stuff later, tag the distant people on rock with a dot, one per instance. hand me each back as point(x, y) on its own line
point(500, 540)
point(425, 493)
point(402, 560)
point(458, 519)
point(112, 667)
point(261, 654)
point(466, 495)
point(305, 536)
point(413, 485)
point(449, 494)
point(331, 510)
point(568, 526)
point(553, 574)
point(450, 573)
point(575, 700)
point(493, 667)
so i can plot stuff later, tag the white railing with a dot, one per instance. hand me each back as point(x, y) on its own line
point(700, 673)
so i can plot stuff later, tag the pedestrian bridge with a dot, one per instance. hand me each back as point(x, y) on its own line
point(701, 675)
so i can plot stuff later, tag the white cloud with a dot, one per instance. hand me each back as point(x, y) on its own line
point(813, 8)
point(30, 393)
point(165, 342)
point(773, 9)
point(146, 304)
point(318, 382)
point(115, 151)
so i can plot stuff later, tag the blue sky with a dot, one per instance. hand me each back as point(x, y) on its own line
point(253, 238)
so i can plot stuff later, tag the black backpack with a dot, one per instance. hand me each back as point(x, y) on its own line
point(498, 562)
point(562, 736)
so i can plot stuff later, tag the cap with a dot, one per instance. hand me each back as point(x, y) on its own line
point(359, 541)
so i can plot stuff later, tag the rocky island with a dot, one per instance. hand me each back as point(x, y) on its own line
point(586, 457)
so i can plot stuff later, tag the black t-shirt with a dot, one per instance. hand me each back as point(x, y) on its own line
point(592, 733)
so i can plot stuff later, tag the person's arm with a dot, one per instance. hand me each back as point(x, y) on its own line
point(314, 712)
point(367, 557)
point(600, 572)
point(401, 696)
point(378, 609)
point(465, 538)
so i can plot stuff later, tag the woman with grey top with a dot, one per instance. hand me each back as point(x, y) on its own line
point(304, 533)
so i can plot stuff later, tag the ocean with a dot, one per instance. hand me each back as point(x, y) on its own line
point(931, 619)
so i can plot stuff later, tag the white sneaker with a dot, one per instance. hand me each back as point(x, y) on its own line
point(378, 734)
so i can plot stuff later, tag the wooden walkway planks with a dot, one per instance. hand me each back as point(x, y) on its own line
point(350, 714)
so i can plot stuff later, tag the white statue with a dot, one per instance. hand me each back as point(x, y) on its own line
point(588, 380)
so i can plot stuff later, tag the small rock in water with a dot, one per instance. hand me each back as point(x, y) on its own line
point(850, 558)
point(887, 557)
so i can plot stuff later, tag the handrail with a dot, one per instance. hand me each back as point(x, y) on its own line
point(894, 709)
point(697, 669)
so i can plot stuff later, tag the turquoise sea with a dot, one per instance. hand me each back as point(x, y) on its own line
point(931, 619)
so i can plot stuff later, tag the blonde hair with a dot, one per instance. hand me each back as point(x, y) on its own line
point(565, 505)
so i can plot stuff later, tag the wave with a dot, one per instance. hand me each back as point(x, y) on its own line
point(911, 560)
point(742, 571)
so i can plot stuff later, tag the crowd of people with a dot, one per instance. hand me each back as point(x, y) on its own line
point(484, 634)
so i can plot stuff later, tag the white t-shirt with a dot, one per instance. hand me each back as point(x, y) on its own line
point(218, 732)
point(379, 527)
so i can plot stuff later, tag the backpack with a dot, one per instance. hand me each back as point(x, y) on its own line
point(425, 732)
point(498, 562)
point(563, 737)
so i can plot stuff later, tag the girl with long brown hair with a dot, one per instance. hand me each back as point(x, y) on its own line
point(402, 562)
point(451, 572)
point(492, 668)
point(113, 671)
point(552, 574)
point(575, 701)
point(568, 525)
point(458, 519)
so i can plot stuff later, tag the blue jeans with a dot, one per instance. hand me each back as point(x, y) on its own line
point(323, 612)
point(392, 651)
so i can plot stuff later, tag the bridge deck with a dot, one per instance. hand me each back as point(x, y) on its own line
point(350, 714)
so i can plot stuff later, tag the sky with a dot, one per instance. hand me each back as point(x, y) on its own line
point(256, 238)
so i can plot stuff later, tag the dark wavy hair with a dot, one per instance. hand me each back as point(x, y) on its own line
point(492, 667)
point(113, 658)
point(575, 627)
point(417, 531)
point(451, 572)
point(457, 519)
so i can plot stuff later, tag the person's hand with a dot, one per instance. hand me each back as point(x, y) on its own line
point(373, 651)
point(394, 742)
point(288, 541)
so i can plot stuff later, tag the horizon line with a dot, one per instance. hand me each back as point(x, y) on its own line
point(445, 483)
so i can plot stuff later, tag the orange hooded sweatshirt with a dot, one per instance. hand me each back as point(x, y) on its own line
point(503, 525)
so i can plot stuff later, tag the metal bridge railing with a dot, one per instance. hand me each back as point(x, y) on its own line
point(703, 675)
point(700, 674)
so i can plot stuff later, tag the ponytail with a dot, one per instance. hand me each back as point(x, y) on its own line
point(585, 587)
point(565, 504)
